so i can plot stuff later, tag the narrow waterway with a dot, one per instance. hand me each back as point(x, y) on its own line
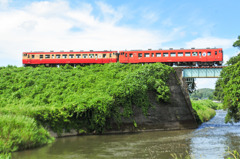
point(210, 141)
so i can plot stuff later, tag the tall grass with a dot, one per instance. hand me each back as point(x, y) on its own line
point(21, 132)
point(204, 110)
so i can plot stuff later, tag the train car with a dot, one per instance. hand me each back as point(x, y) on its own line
point(73, 58)
point(181, 57)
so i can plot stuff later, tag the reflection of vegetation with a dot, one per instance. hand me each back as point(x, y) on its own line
point(204, 110)
point(204, 93)
point(84, 98)
point(182, 156)
point(234, 154)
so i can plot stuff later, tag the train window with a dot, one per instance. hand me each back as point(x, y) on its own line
point(71, 56)
point(78, 56)
point(173, 54)
point(64, 56)
point(152, 54)
point(219, 51)
point(104, 55)
point(126, 55)
point(85, 55)
point(110, 55)
point(41, 56)
point(91, 55)
point(180, 54)
point(28, 56)
point(33, 57)
point(146, 55)
point(187, 54)
point(158, 54)
point(52, 56)
point(130, 55)
point(200, 53)
point(215, 52)
point(95, 55)
point(194, 54)
point(99, 56)
point(209, 53)
point(165, 54)
point(47, 56)
point(139, 54)
point(57, 56)
point(24, 54)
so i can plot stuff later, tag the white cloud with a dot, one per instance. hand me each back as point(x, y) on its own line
point(4, 4)
point(206, 83)
point(210, 42)
point(225, 58)
point(49, 25)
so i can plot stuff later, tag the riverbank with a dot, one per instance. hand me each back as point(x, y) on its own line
point(204, 110)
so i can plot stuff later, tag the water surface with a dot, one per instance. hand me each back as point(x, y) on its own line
point(210, 141)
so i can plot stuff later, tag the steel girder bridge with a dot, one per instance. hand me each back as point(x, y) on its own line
point(190, 73)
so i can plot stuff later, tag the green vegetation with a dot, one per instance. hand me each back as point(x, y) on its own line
point(20, 132)
point(237, 43)
point(231, 91)
point(204, 110)
point(204, 93)
point(227, 88)
point(84, 98)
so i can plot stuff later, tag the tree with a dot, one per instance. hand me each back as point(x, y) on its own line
point(229, 85)
point(218, 93)
point(237, 43)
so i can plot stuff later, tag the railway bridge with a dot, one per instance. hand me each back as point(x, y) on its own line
point(190, 73)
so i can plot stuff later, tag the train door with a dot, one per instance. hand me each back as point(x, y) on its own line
point(110, 57)
point(216, 55)
point(100, 58)
point(96, 57)
point(126, 57)
point(28, 58)
point(204, 56)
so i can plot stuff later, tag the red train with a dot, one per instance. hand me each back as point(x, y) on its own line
point(181, 57)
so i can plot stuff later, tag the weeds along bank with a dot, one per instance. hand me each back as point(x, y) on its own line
point(66, 98)
point(205, 109)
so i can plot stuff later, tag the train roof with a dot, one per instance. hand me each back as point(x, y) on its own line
point(71, 51)
point(173, 49)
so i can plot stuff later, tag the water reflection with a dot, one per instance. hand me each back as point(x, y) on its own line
point(210, 140)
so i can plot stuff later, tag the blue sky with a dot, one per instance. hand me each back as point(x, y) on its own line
point(37, 25)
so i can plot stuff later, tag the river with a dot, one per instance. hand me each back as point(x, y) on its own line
point(210, 141)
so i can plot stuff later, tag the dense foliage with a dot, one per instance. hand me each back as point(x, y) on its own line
point(231, 90)
point(204, 93)
point(84, 98)
point(227, 88)
point(204, 110)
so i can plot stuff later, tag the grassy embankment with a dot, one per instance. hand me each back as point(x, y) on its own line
point(84, 99)
point(205, 109)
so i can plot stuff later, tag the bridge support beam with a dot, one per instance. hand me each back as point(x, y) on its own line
point(202, 72)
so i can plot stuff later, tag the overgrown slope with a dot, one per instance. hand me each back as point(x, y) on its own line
point(82, 98)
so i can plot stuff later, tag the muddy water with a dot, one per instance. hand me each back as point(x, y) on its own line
point(211, 141)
